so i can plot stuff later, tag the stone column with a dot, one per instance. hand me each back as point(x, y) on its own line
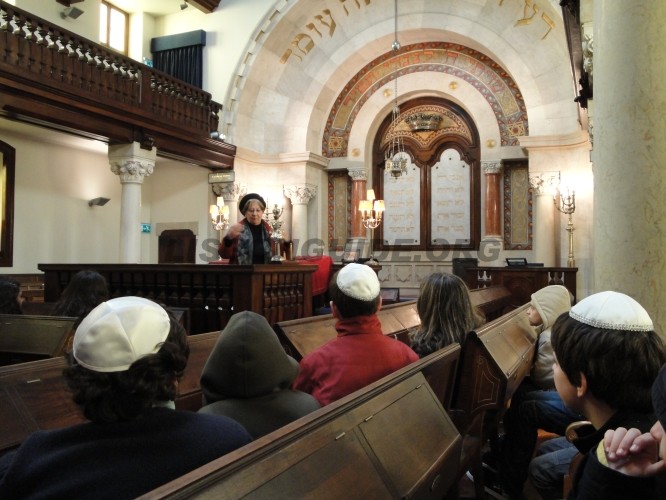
point(300, 195)
point(630, 153)
point(493, 216)
point(544, 185)
point(359, 192)
point(131, 164)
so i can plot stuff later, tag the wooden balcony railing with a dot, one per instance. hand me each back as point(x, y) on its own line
point(53, 77)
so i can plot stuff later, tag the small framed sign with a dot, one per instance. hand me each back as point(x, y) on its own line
point(516, 261)
point(226, 176)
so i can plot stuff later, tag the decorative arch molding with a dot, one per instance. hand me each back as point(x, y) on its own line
point(482, 72)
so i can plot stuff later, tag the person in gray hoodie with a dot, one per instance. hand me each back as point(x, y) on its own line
point(536, 404)
point(248, 376)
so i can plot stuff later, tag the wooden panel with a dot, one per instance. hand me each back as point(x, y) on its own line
point(210, 292)
point(522, 282)
point(28, 338)
point(495, 359)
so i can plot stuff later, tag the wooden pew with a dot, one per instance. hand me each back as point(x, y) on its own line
point(392, 439)
point(34, 396)
point(29, 338)
point(494, 361)
point(301, 336)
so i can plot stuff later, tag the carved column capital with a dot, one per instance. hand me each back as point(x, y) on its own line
point(544, 182)
point(131, 163)
point(300, 194)
point(358, 174)
point(230, 191)
point(491, 167)
point(132, 170)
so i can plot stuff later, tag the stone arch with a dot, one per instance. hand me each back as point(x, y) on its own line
point(483, 73)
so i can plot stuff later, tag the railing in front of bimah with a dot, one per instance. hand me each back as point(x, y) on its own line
point(43, 59)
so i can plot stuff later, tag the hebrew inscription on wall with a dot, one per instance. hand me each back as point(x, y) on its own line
point(450, 200)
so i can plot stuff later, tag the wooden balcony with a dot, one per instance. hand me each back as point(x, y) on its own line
point(52, 77)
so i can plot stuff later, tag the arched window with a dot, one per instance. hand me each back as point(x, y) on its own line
point(437, 204)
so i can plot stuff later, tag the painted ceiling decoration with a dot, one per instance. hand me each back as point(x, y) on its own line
point(469, 65)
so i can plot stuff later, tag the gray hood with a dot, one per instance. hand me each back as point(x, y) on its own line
point(247, 361)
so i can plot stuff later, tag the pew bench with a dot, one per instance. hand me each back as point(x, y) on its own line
point(391, 439)
point(34, 396)
point(494, 361)
point(302, 336)
point(30, 337)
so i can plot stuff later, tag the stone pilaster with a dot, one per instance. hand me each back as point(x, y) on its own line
point(300, 195)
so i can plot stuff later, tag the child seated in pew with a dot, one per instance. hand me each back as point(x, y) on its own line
point(11, 298)
point(128, 357)
point(446, 313)
point(535, 404)
point(607, 356)
point(361, 353)
point(85, 291)
point(632, 459)
point(248, 375)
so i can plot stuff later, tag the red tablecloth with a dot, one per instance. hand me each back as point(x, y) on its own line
point(322, 275)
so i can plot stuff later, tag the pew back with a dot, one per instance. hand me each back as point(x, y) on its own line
point(494, 361)
point(302, 336)
point(390, 439)
point(28, 338)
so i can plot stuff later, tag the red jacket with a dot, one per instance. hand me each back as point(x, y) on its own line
point(359, 355)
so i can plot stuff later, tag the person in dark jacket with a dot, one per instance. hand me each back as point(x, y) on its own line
point(607, 356)
point(248, 377)
point(128, 356)
point(248, 241)
point(85, 291)
point(11, 298)
point(630, 456)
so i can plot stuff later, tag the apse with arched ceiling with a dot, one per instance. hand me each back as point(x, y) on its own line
point(319, 74)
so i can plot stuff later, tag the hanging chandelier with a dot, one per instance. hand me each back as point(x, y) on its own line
point(395, 160)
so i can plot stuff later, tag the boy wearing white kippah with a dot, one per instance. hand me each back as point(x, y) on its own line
point(128, 356)
point(361, 353)
point(607, 357)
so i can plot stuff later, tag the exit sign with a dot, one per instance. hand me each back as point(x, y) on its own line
point(145, 227)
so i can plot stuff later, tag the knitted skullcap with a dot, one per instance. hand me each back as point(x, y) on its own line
point(242, 205)
point(118, 332)
point(358, 281)
point(613, 311)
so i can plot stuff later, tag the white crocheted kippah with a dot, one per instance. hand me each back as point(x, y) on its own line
point(612, 310)
point(358, 281)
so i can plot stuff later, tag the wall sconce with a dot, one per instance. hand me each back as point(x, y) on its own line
point(219, 215)
point(72, 12)
point(567, 205)
point(372, 212)
point(98, 202)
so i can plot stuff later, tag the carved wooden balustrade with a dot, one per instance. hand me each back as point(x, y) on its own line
point(49, 75)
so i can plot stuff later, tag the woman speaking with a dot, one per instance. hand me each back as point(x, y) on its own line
point(248, 241)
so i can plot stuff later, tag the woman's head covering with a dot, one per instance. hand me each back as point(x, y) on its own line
point(245, 201)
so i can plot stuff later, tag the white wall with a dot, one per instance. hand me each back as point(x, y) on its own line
point(52, 220)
